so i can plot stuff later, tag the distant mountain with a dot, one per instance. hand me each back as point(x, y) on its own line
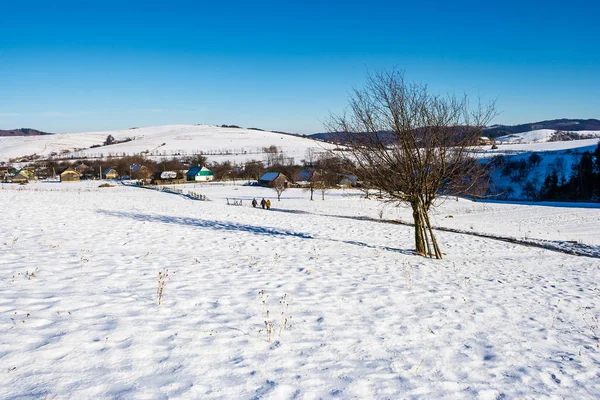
point(345, 137)
point(23, 132)
point(495, 131)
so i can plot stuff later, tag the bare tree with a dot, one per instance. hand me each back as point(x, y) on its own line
point(323, 188)
point(280, 185)
point(314, 179)
point(413, 145)
point(310, 157)
point(275, 156)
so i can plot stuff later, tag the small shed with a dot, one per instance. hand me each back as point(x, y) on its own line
point(70, 175)
point(110, 173)
point(199, 174)
point(20, 177)
point(273, 179)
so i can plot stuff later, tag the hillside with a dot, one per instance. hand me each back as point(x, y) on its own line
point(496, 131)
point(234, 144)
point(22, 132)
point(547, 135)
point(563, 124)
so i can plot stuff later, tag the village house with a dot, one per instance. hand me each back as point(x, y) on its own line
point(484, 141)
point(347, 181)
point(305, 177)
point(81, 168)
point(70, 175)
point(140, 172)
point(273, 179)
point(199, 174)
point(85, 171)
point(110, 173)
point(167, 177)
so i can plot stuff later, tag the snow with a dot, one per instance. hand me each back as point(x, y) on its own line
point(366, 318)
point(539, 136)
point(236, 145)
point(580, 145)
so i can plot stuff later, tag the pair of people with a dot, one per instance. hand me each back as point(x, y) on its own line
point(263, 203)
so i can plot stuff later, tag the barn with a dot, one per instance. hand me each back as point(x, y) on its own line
point(70, 175)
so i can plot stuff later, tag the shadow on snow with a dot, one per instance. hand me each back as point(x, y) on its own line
point(235, 227)
point(204, 223)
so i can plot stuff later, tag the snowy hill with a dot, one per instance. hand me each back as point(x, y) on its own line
point(563, 124)
point(219, 143)
point(543, 136)
point(515, 171)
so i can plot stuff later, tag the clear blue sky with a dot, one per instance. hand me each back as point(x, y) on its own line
point(70, 66)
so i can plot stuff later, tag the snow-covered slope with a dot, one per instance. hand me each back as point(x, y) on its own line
point(221, 143)
point(351, 312)
point(540, 136)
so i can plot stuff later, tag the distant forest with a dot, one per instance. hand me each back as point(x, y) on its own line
point(23, 132)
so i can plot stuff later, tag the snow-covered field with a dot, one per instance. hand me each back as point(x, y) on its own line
point(236, 145)
point(350, 311)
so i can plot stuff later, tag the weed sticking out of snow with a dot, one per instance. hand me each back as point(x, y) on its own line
point(285, 320)
point(163, 277)
point(18, 321)
point(12, 243)
point(83, 257)
point(31, 274)
point(270, 325)
point(252, 261)
point(593, 325)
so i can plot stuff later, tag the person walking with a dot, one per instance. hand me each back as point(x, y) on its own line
point(268, 203)
point(254, 202)
point(263, 203)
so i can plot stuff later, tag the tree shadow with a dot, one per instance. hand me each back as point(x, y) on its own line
point(290, 211)
point(232, 226)
point(204, 223)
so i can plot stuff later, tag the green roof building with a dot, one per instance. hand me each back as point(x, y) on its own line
point(199, 174)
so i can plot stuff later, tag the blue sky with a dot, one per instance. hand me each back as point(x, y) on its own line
point(68, 66)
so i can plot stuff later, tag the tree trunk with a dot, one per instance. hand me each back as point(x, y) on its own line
point(425, 241)
point(419, 239)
